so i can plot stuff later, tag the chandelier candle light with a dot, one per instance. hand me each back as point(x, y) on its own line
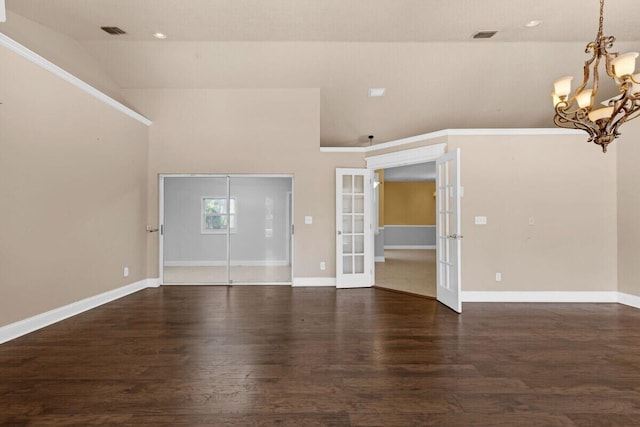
point(579, 110)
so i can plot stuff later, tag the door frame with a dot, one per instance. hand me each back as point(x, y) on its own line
point(161, 178)
point(412, 156)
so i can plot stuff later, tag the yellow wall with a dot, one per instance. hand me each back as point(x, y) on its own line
point(409, 203)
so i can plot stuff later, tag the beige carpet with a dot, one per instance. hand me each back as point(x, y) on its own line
point(219, 274)
point(412, 271)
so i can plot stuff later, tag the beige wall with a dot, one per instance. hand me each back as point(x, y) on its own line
point(249, 131)
point(410, 203)
point(73, 186)
point(628, 147)
point(566, 185)
point(61, 50)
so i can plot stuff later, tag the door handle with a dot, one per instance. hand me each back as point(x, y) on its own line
point(455, 236)
point(339, 233)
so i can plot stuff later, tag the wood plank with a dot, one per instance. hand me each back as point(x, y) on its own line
point(272, 355)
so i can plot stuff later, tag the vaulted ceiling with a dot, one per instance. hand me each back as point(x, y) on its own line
point(421, 51)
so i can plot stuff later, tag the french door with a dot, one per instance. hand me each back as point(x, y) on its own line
point(354, 233)
point(448, 225)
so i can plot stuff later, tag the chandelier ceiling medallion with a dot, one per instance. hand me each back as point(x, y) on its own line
point(583, 110)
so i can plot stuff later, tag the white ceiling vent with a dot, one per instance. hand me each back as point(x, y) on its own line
point(484, 34)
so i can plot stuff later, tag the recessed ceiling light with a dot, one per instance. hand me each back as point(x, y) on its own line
point(378, 91)
point(533, 23)
point(160, 35)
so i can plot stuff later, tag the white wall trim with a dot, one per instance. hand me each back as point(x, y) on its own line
point(314, 281)
point(550, 296)
point(223, 263)
point(470, 132)
point(421, 247)
point(410, 226)
point(154, 283)
point(39, 321)
point(378, 259)
point(410, 156)
point(342, 149)
point(30, 55)
point(628, 299)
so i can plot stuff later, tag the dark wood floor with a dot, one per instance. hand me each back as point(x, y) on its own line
point(247, 356)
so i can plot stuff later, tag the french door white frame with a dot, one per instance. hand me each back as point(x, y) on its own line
point(354, 278)
point(161, 178)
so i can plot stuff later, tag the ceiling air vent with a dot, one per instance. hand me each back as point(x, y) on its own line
point(484, 34)
point(114, 31)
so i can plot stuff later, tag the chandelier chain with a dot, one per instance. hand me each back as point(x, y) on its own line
point(601, 25)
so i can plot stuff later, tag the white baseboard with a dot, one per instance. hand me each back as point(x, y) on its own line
point(314, 281)
point(585, 297)
point(628, 299)
point(409, 246)
point(154, 282)
point(379, 259)
point(39, 321)
point(237, 263)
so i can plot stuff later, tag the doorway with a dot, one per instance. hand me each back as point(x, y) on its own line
point(226, 229)
point(406, 230)
point(448, 224)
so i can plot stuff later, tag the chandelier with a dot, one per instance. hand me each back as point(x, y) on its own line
point(579, 110)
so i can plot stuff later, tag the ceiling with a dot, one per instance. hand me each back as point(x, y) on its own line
point(436, 76)
point(411, 173)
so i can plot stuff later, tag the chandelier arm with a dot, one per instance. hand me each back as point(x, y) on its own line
point(586, 71)
point(561, 119)
point(630, 109)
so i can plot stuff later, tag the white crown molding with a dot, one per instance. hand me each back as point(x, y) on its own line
point(39, 321)
point(628, 299)
point(411, 156)
point(30, 55)
point(551, 296)
point(314, 281)
point(342, 149)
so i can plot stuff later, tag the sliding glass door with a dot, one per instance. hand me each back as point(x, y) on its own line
point(227, 229)
point(260, 237)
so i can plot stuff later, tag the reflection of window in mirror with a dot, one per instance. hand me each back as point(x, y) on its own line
point(268, 219)
point(217, 215)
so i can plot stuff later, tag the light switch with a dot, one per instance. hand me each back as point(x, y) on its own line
point(308, 220)
point(481, 220)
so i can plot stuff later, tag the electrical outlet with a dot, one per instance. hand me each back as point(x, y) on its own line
point(481, 220)
point(126, 272)
point(498, 277)
point(323, 265)
point(532, 221)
